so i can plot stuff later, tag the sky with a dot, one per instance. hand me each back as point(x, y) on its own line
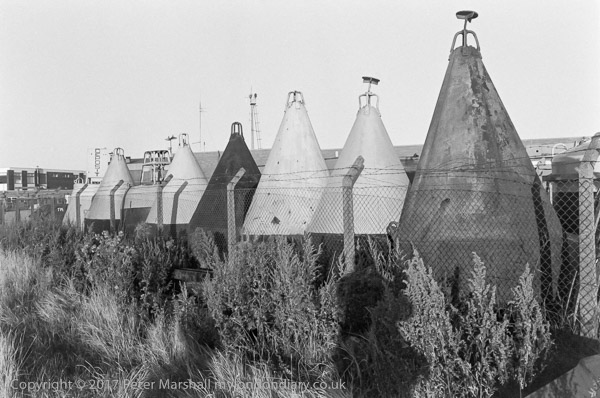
point(81, 74)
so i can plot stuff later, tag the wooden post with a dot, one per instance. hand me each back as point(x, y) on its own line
point(588, 281)
point(348, 211)
point(1, 211)
point(231, 227)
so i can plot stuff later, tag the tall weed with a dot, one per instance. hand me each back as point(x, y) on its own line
point(472, 350)
point(530, 331)
point(267, 305)
point(107, 261)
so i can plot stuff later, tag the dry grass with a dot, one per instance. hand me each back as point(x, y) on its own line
point(50, 332)
point(10, 364)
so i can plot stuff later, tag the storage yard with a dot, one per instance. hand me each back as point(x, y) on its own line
point(472, 193)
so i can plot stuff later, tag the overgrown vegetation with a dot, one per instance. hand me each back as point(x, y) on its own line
point(267, 306)
point(472, 350)
point(98, 308)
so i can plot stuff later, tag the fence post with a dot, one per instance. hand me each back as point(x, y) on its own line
point(588, 282)
point(1, 211)
point(231, 227)
point(348, 211)
point(159, 204)
point(78, 206)
point(113, 210)
point(54, 206)
point(18, 209)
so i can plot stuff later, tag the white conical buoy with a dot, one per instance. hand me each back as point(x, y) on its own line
point(379, 191)
point(108, 200)
point(182, 193)
point(293, 178)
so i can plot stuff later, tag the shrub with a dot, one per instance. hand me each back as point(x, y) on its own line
point(155, 261)
point(378, 361)
point(357, 292)
point(266, 305)
point(60, 253)
point(107, 261)
point(468, 352)
point(138, 272)
point(204, 248)
point(530, 331)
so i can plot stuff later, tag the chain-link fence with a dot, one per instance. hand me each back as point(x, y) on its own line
point(508, 224)
point(576, 204)
point(18, 209)
point(506, 230)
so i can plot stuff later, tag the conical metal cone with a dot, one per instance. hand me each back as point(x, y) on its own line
point(293, 178)
point(86, 192)
point(379, 191)
point(211, 213)
point(109, 196)
point(181, 195)
point(476, 191)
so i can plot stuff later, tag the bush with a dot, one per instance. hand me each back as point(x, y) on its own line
point(107, 261)
point(378, 361)
point(155, 263)
point(357, 292)
point(138, 272)
point(266, 305)
point(469, 352)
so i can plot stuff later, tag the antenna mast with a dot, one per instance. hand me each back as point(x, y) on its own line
point(254, 129)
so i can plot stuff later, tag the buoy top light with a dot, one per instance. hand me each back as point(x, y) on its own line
point(367, 79)
point(184, 140)
point(368, 94)
point(468, 16)
point(295, 96)
point(236, 128)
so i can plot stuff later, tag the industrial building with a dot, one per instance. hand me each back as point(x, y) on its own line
point(32, 178)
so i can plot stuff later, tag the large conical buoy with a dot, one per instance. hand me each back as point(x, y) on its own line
point(293, 178)
point(105, 211)
point(379, 191)
point(80, 201)
point(139, 199)
point(475, 189)
point(185, 185)
point(211, 213)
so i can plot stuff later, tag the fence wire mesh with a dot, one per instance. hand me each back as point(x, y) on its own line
point(552, 228)
point(506, 230)
point(16, 210)
point(576, 205)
